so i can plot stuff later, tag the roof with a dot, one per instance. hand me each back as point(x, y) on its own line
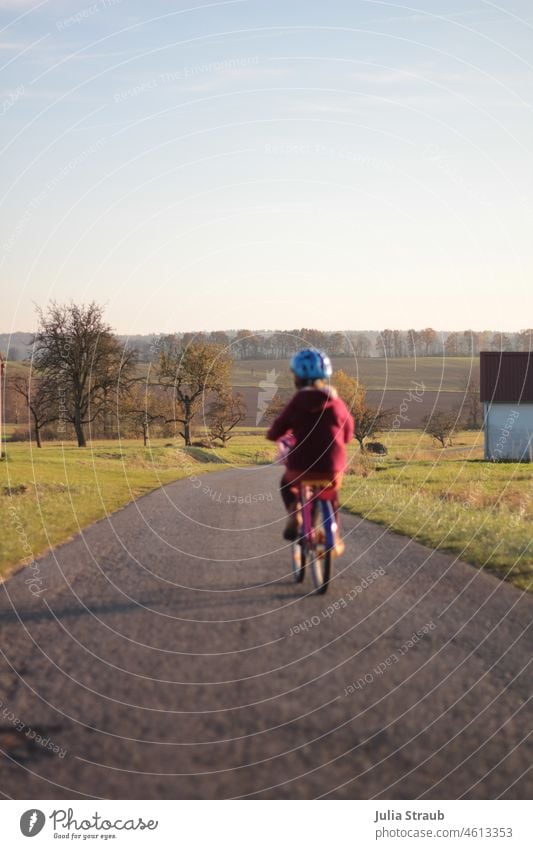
point(506, 377)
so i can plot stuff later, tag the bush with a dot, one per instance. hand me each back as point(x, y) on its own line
point(48, 434)
point(376, 448)
point(20, 435)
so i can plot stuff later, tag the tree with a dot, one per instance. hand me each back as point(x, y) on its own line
point(501, 342)
point(428, 337)
point(413, 338)
point(312, 338)
point(484, 340)
point(282, 344)
point(350, 390)
point(144, 405)
point(193, 373)
point(77, 352)
point(385, 344)
point(440, 425)
point(472, 406)
point(398, 343)
point(244, 343)
point(471, 342)
point(368, 420)
point(225, 413)
point(360, 345)
point(41, 399)
point(451, 346)
point(219, 337)
point(525, 340)
point(336, 345)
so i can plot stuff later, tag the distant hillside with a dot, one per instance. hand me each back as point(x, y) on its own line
point(15, 346)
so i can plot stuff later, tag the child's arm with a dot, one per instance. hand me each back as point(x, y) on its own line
point(282, 424)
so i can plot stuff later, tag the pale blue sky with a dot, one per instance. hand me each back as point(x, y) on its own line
point(268, 163)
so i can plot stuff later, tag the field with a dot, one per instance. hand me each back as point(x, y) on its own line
point(448, 499)
point(438, 374)
point(438, 382)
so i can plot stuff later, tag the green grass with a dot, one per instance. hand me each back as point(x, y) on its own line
point(451, 500)
point(49, 494)
point(448, 499)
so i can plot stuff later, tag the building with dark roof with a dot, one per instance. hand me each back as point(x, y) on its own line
point(506, 390)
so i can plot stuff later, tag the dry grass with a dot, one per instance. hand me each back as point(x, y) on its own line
point(452, 500)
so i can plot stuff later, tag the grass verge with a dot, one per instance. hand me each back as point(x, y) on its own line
point(49, 494)
point(450, 500)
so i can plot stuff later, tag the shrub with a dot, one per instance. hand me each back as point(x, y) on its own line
point(376, 448)
point(20, 435)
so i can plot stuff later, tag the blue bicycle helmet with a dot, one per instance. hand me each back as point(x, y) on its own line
point(311, 364)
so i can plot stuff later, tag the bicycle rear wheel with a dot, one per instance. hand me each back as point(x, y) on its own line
point(322, 555)
point(298, 561)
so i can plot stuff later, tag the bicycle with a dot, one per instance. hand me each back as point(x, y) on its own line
point(316, 545)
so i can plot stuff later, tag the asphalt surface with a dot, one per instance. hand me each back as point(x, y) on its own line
point(167, 653)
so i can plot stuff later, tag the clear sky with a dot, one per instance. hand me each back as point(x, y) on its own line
point(268, 163)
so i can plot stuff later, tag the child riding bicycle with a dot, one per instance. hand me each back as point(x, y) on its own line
point(319, 426)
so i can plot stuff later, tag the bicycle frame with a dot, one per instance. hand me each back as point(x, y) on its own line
point(310, 497)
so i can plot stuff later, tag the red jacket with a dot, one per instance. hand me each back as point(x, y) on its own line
point(322, 425)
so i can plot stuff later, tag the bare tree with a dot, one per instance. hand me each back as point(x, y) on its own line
point(361, 345)
point(193, 373)
point(78, 353)
point(144, 405)
point(370, 421)
point(225, 413)
point(41, 400)
point(385, 344)
point(472, 406)
point(441, 425)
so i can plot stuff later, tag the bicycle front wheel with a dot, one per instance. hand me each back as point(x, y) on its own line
point(320, 563)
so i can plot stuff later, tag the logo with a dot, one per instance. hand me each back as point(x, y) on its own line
point(32, 822)
point(268, 389)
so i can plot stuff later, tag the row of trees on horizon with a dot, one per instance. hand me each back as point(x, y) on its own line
point(246, 344)
point(280, 344)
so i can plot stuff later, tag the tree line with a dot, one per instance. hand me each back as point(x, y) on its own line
point(246, 344)
point(82, 379)
point(280, 344)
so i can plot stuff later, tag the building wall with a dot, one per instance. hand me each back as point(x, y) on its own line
point(508, 431)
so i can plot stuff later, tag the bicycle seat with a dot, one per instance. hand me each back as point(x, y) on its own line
point(325, 489)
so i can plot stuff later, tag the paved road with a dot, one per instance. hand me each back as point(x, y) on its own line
point(162, 658)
